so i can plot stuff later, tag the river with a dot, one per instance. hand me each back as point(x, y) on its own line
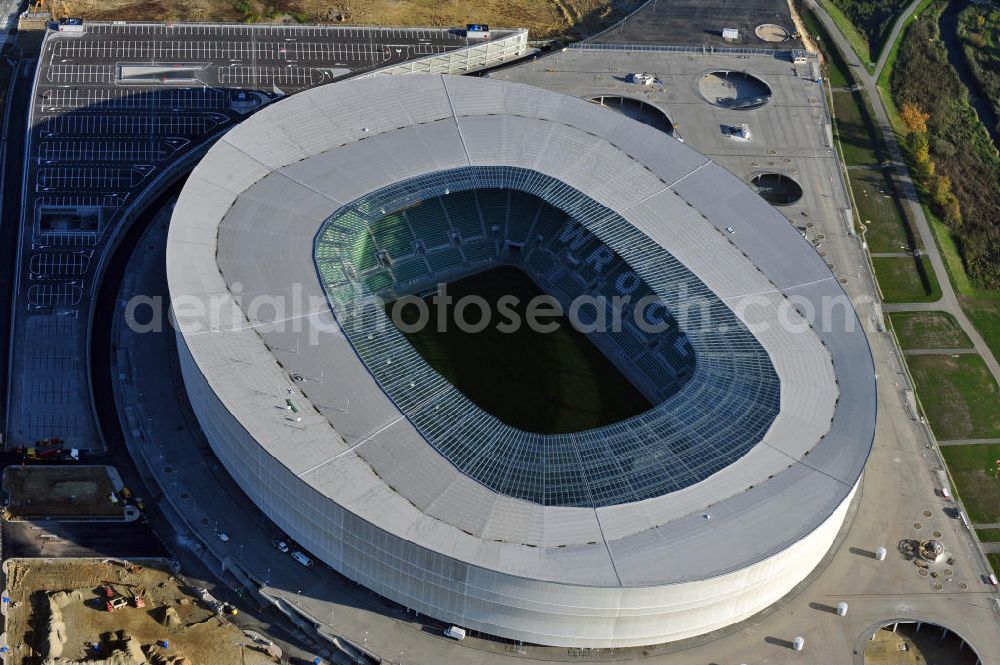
point(948, 24)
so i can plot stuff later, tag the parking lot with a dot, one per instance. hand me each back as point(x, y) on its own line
point(114, 108)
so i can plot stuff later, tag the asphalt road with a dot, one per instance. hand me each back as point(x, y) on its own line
point(12, 155)
point(49, 539)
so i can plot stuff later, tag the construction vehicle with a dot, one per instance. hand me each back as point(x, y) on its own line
point(116, 603)
point(137, 594)
point(49, 451)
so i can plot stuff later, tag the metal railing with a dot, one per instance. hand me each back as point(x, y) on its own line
point(705, 49)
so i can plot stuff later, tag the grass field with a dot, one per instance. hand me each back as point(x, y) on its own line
point(878, 209)
point(906, 279)
point(856, 139)
point(959, 395)
point(973, 469)
point(539, 382)
point(928, 330)
point(988, 535)
point(856, 39)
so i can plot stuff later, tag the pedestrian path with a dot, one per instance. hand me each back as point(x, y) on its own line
point(966, 442)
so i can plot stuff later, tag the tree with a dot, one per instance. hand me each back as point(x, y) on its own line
point(920, 149)
point(913, 117)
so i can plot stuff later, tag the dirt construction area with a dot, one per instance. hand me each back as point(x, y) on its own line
point(38, 492)
point(58, 616)
point(543, 18)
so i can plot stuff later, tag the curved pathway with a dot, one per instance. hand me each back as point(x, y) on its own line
point(907, 191)
point(893, 36)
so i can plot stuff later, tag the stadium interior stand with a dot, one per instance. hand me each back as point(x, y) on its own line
point(409, 237)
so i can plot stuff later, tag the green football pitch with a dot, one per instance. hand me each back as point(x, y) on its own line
point(545, 382)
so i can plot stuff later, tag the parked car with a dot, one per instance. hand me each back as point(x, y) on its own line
point(455, 633)
point(302, 558)
point(281, 546)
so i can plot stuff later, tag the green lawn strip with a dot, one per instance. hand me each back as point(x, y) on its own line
point(854, 37)
point(886, 227)
point(988, 535)
point(994, 562)
point(855, 134)
point(906, 279)
point(972, 468)
point(958, 394)
point(928, 330)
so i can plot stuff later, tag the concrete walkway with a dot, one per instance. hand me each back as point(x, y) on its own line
point(897, 27)
point(908, 194)
point(966, 442)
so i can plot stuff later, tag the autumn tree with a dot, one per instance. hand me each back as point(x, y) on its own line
point(914, 118)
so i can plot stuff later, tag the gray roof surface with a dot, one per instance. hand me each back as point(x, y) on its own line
point(701, 22)
point(249, 214)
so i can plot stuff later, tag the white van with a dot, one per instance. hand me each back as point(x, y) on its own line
point(455, 633)
point(302, 558)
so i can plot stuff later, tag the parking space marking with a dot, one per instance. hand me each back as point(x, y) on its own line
point(128, 125)
point(193, 51)
point(207, 99)
point(256, 76)
point(60, 264)
point(108, 151)
point(80, 73)
point(54, 295)
point(96, 178)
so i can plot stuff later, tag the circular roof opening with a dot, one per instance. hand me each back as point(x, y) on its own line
point(734, 90)
point(776, 188)
point(923, 641)
point(637, 110)
point(769, 32)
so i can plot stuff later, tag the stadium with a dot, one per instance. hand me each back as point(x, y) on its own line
point(709, 492)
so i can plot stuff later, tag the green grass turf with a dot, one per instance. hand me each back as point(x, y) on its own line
point(854, 36)
point(929, 330)
point(536, 381)
point(994, 562)
point(886, 230)
point(988, 535)
point(906, 279)
point(973, 469)
point(857, 141)
point(959, 395)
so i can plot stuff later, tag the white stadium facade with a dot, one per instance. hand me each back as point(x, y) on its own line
point(687, 518)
